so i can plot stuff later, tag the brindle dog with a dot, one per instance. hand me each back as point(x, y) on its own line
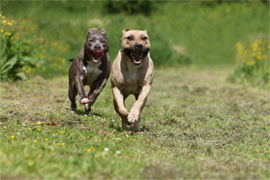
point(132, 73)
point(91, 67)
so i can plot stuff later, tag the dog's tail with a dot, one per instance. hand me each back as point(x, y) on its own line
point(71, 59)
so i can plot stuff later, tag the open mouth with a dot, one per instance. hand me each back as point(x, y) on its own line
point(96, 55)
point(136, 57)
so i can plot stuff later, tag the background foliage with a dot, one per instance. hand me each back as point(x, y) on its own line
point(198, 33)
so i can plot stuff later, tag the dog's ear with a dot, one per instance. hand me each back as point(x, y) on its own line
point(92, 30)
point(102, 31)
point(125, 30)
point(145, 31)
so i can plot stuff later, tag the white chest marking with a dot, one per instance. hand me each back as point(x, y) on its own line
point(132, 72)
point(92, 72)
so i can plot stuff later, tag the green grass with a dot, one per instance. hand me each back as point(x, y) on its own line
point(195, 125)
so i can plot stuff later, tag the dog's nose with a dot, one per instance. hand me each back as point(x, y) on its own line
point(97, 47)
point(138, 45)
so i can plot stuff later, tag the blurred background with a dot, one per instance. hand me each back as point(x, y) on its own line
point(38, 38)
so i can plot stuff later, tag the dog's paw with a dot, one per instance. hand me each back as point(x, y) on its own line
point(133, 116)
point(84, 101)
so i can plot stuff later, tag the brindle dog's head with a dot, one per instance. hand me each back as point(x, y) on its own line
point(96, 44)
point(135, 44)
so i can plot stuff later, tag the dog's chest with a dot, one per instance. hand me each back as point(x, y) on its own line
point(132, 81)
point(132, 75)
point(92, 72)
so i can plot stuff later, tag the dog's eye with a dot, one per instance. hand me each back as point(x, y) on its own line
point(144, 38)
point(129, 38)
point(91, 40)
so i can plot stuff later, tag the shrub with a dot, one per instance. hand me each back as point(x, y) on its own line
point(24, 53)
point(254, 62)
point(16, 55)
point(129, 7)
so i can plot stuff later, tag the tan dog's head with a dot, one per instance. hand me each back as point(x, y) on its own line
point(135, 44)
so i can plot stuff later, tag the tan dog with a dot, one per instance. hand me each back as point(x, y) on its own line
point(132, 73)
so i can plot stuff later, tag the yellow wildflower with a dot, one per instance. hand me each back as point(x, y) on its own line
point(0, 15)
point(9, 23)
point(28, 70)
point(259, 57)
point(255, 45)
point(251, 63)
point(91, 149)
point(30, 128)
point(240, 48)
point(12, 137)
point(7, 33)
point(4, 21)
point(46, 139)
point(38, 129)
point(54, 44)
point(30, 163)
point(35, 141)
point(2, 30)
point(62, 132)
point(58, 144)
point(3, 17)
point(63, 144)
point(252, 54)
point(39, 123)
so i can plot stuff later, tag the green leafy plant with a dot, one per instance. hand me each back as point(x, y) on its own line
point(16, 55)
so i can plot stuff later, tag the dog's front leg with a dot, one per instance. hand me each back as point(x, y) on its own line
point(94, 93)
point(79, 86)
point(119, 106)
point(135, 112)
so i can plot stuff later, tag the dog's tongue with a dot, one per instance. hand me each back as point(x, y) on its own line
point(97, 55)
point(137, 58)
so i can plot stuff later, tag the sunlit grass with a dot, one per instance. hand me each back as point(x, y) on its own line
point(194, 125)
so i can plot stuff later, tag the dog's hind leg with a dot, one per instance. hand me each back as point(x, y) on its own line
point(72, 92)
point(136, 127)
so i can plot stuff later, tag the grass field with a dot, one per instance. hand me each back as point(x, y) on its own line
point(195, 125)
